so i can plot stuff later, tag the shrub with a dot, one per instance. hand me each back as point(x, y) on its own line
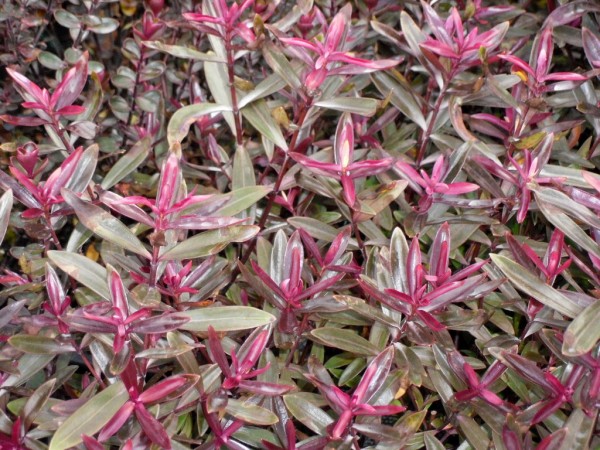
point(341, 225)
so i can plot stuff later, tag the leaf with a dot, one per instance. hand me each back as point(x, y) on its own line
point(39, 345)
point(319, 230)
point(127, 163)
point(241, 199)
point(527, 282)
point(82, 269)
point(90, 417)
point(51, 61)
point(210, 242)
point(355, 105)
point(243, 170)
point(579, 428)
point(180, 51)
point(473, 432)
point(401, 98)
point(105, 225)
point(6, 203)
point(217, 80)
point(569, 227)
point(36, 402)
point(226, 318)
point(307, 413)
point(259, 115)
point(591, 46)
point(250, 413)
point(28, 366)
point(101, 25)
point(372, 202)
point(180, 122)
point(275, 58)
point(583, 333)
point(273, 83)
point(346, 340)
point(9, 311)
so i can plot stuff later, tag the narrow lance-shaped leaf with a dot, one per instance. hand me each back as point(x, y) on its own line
point(259, 115)
point(6, 202)
point(226, 318)
point(84, 270)
point(180, 122)
point(210, 242)
point(583, 333)
point(529, 283)
point(91, 417)
point(127, 163)
point(105, 225)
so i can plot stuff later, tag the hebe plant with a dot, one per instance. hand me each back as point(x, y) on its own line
point(299, 225)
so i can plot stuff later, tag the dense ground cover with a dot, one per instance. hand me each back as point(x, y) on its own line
point(299, 225)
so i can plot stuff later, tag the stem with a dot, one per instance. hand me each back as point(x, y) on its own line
point(427, 134)
point(271, 200)
point(138, 70)
point(48, 220)
point(44, 24)
point(301, 330)
point(154, 265)
point(231, 75)
point(88, 364)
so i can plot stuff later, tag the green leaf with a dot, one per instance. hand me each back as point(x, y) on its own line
point(127, 163)
point(28, 367)
point(51, 61)
point(529, 283)
point(583, 333)
point(273, 83)
point(478, 438)
point(275, 58)
point(401, 98)
point(310, 415)
point(372, 202)
point(6, 202)
point(346, 340)
point(36, 402)
point(84, 270)
point(559, 200)
point(39, 345)
point(180, 51)
point(243, 170)
point(259, 115)
point(90, 417)
point(319, 230)
point(578, 431)
point(569, 227)
point(105, 224)
point(356, 105)
point(226, 318)
point(210, 242)
point(180, 122)
point(250, 413)
point(242, 199)
point(218, 84)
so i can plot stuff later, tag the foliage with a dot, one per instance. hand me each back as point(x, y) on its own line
point(299, 225)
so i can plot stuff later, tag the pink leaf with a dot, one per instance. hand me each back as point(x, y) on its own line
point(591, 46)
point(117, 421)
point(70, 87)
point(337, 29)
point(542, 54)
point(169, 183)
point(163, 389)
point(23, 121)
point(152, 427)
point(27, 88)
